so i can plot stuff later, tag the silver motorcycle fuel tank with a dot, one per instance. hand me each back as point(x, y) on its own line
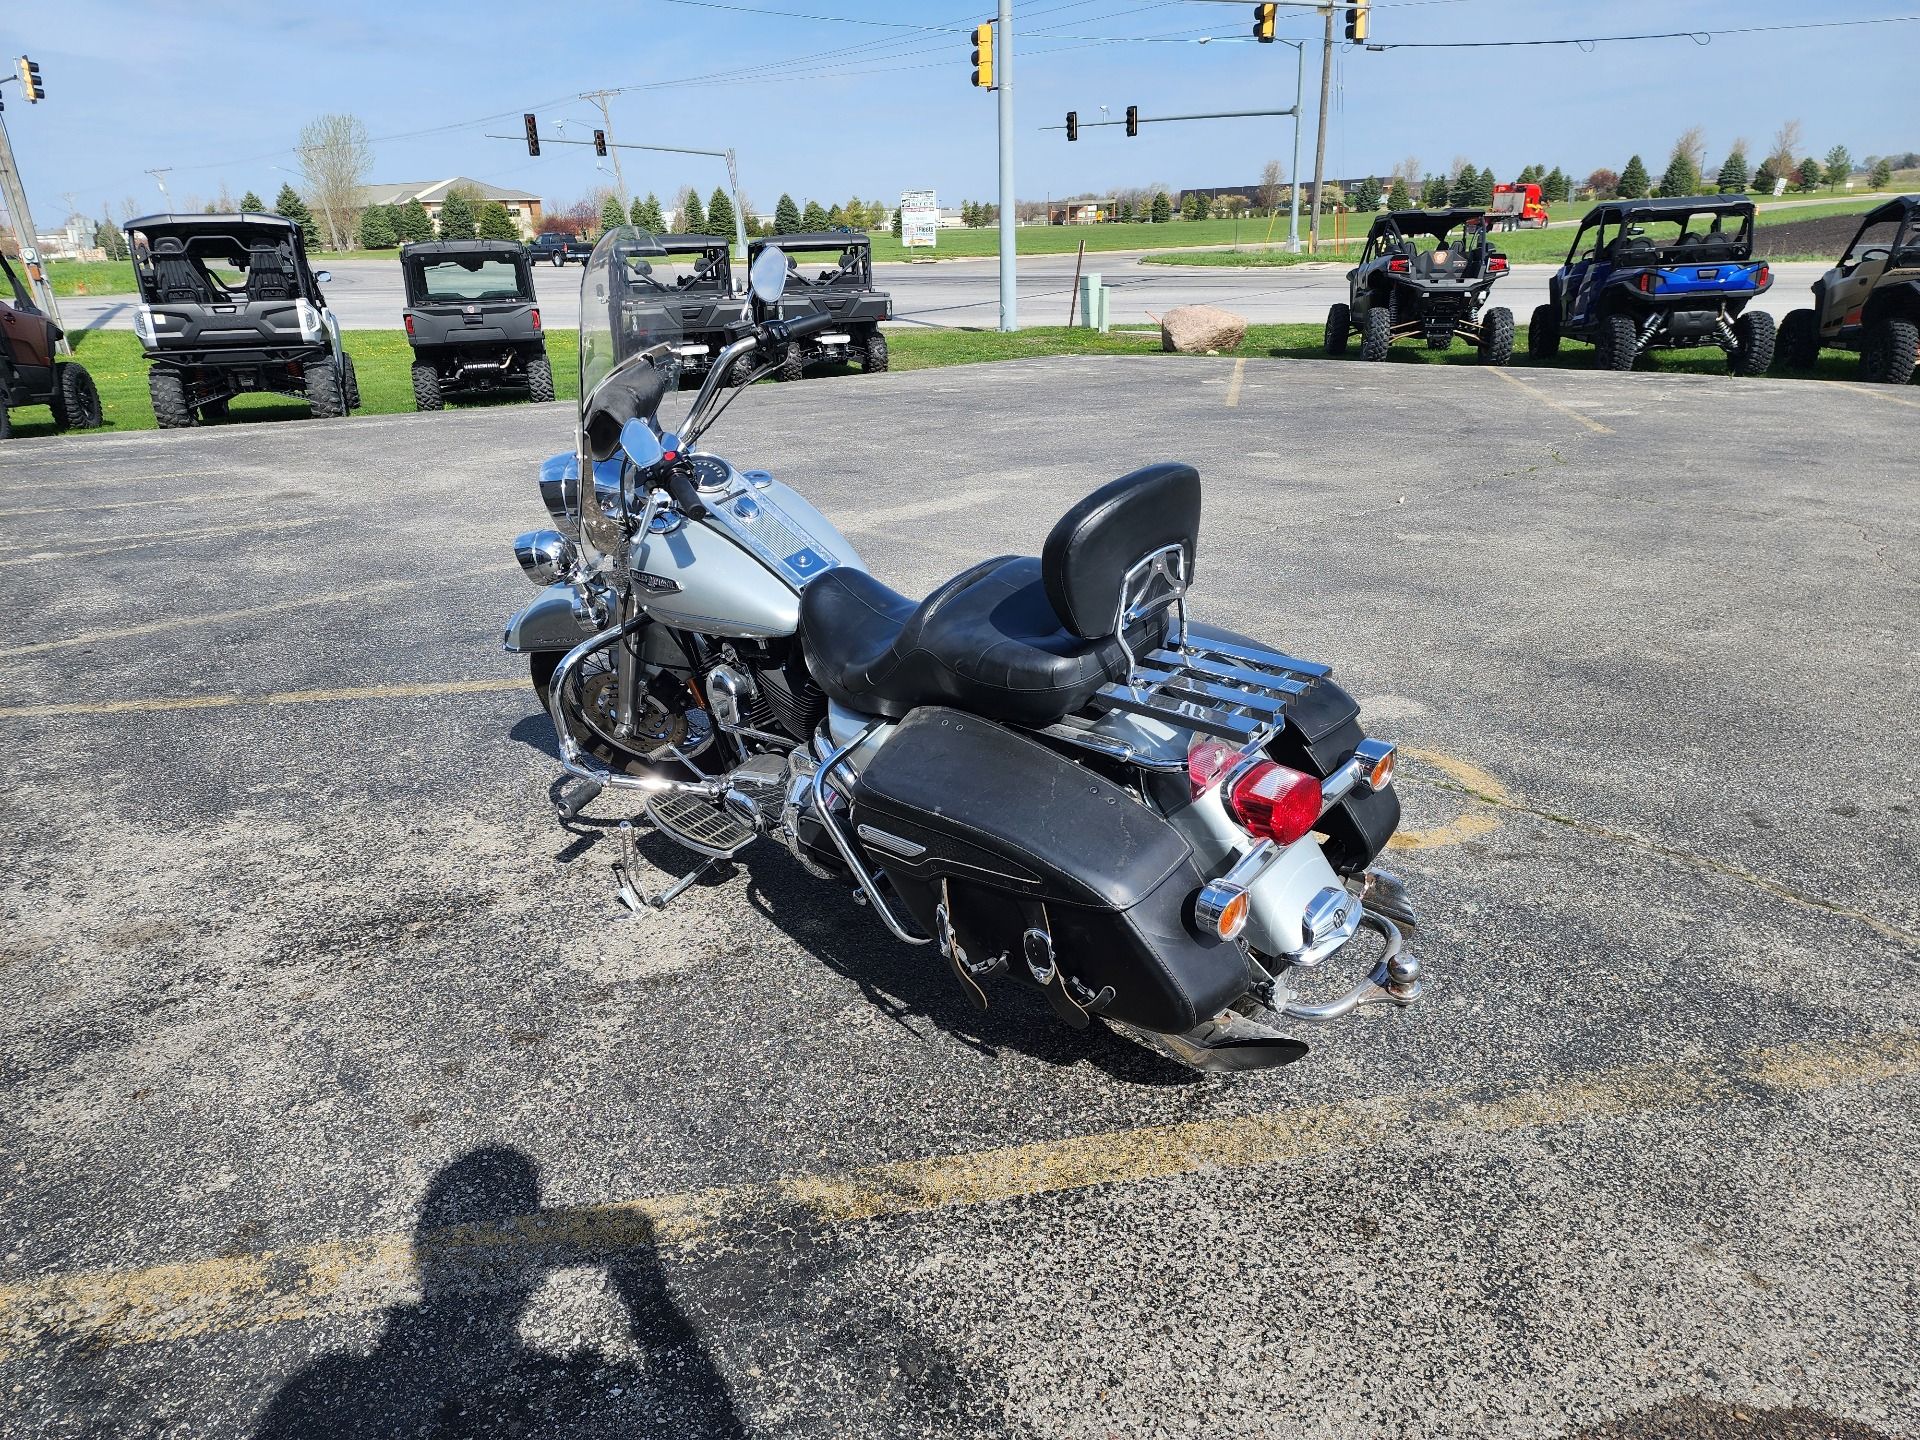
point(739, 570)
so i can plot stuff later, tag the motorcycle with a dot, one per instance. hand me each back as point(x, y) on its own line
point(1044, 770)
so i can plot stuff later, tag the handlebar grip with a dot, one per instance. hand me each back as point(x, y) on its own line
point(685, 493)
point(820, 320)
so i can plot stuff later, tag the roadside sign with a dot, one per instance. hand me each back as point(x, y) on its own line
point(919, 219)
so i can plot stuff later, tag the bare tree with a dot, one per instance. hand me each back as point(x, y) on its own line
point(1407, 170)
point(1271, 176)
point(1460, 162)
point(335, 157)
point(1693, 144)
point(1787, 142)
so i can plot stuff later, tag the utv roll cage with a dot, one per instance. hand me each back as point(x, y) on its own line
point(171, 255)
point(1400, 231)
point(852, 251)
point(1628, 246)
point(415, 259)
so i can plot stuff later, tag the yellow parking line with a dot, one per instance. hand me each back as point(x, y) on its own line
point(1233, 385)
point(278, 697)
point(1550, 402)
point(155, 627)
point(187, 1298)
point(1880, 392)
point(1471, 825)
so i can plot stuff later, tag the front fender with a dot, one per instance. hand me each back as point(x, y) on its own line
point(548, 623)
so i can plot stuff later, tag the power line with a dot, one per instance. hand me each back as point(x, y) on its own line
point(1699, 37)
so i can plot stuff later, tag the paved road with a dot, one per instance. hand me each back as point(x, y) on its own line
point(367, 295)
point(340, 1103)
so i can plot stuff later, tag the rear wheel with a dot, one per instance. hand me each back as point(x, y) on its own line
point(1888, 351)
point(6, 423)
point(326, 390)
point(1543, 333)
point(1753, 335)
point(168, 391)
point(75, 403)
point(1339, 329)
point(1798, 345)
point(792, 367)
point(349, 382)
point(1376, 333)
point(426, 388)
point(1496, 336)
point(1618, 343)
point(539, 379)
point(873, 355)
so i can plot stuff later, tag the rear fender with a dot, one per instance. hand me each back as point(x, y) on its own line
point(1899, 301)
point(547, 623)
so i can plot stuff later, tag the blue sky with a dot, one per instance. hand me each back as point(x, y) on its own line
point(218, 89)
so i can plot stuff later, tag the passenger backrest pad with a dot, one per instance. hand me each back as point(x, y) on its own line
point(1089, 552)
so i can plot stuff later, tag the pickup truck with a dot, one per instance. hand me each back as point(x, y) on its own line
point(556, 247)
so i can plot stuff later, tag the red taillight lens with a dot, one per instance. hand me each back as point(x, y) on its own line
point(1274, 803)
point(1645, 282)
point(1497, 263)
point(536, 318)
point(409, 319)
point(1398, 266)
point(1762, 275)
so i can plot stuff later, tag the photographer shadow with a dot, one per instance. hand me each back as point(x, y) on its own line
point(454, 1364)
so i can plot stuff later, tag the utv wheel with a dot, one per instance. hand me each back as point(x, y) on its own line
point(873, 355)
point(1376, 333)
point(539, 380)
point(791, 367)
point(1543, 333)
point(350, 382)
point(326, 390)
point(75, 403)
point(1888, 353)
point(1617, 346)
point(426, 388)
point(1753, 335)
point(1799, 343)
point(168, 391)
point(1339, 329)
point(1496, 336)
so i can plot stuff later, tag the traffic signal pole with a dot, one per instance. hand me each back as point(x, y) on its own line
point(1320, 143)
point(600, 98)
point(1009, 270)
point(13, 197)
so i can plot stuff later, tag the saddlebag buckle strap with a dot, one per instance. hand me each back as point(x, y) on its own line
point(1063, 993)
point(967, 971)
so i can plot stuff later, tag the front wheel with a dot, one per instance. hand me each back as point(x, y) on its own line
point(539, 379)
point(675, 722)
point(1889, 351)
point(1799, 340)
point(1496, 336)
point(168, 391)
point(1543, 333)
point(1376, 333)
point(326, 390)
point(1753, 336)
point(1617, 345)
point(873, 355)
point(1339, 329)
point(426, 388)
point(349, 382)
point(76, 402)
point(791, 366)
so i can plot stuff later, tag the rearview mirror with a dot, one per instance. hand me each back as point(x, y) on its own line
point(769, 275)
point(640, 444)
point(323, 276)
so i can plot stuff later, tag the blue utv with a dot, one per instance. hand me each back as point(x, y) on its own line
point(1668, 274)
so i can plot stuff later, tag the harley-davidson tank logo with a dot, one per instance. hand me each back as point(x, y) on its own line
point(807, 563)
point(656, 584)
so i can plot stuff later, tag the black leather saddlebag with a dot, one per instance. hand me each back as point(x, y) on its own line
point(1016, 831)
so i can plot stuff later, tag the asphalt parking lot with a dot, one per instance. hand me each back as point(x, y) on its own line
point(342, 1101)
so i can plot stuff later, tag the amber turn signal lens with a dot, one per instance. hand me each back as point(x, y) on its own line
point(1381, 775)
point(1233, 919)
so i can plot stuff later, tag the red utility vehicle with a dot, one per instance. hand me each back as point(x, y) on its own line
point(1515, 206)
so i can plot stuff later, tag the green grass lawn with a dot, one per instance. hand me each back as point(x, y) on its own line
point(382, 359)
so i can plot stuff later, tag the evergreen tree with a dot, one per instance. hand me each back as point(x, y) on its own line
point(898, 225)
point(496, 224)
point(376, 228)
point(813, 217)
point(1399, 197)
point(1765, 178)
point(1635, 183)
point(646, 214)
point(1838, 167)
point(1882, 174)
point(1810, 175)
point(1366, 194)
point(1680, 176)
point(719, 213)
point(1194, 206)
point(251, 201)
point(1433, 194)
point(1464, 185)
point(612, 214)
point(1733, 174)
point(1126, 212)
point(289, 206)
point(1483, 188)
point(412, 223)
point(1554, 187)
point(836, 217)
point(456, 217)
point(693, 216)
point(108, 237)
point(1162, 207)
point(786, 215)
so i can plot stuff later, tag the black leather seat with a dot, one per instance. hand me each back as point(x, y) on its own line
point(1015, 638)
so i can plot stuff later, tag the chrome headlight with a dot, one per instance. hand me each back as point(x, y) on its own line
point(560, 486)
point(546, 555)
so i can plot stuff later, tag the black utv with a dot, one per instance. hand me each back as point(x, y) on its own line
point(1424, 275)
point(843, 287)
point(229, 304)
point(686, 292)
point(473, 321)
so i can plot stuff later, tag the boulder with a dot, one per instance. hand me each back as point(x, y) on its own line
point(1196, 329)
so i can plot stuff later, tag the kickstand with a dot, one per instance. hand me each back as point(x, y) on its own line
point(627, 867)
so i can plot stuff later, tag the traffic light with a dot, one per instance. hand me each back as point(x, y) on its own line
point(1357, 22)
point(600, 142)
point(1073, 124)
point(30, 77)
point(983, 56)
point(533, 135)
point(1133, 119)
point(1263, 23)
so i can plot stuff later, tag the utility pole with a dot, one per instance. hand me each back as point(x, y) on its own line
point(1009, 271)
point(161, 182)
point(1293, 190)
point(1320, 144)
point(600, 98)
point(13, 196)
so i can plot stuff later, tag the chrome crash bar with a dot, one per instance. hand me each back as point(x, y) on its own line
point(573, 760)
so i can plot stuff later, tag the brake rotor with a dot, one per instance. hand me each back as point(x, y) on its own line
point(657, 734)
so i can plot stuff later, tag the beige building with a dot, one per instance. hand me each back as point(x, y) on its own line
point(522, 209)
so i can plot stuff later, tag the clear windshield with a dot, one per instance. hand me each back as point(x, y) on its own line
point(620, 313)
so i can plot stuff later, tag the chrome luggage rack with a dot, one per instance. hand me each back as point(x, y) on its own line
point(1236, 692)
